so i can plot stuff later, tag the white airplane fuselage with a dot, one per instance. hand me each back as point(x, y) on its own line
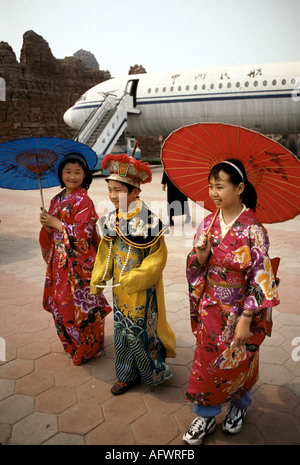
point(262, 97)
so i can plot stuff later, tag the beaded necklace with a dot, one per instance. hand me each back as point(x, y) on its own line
point(106, 267)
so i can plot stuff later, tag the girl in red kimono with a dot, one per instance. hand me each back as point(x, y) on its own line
point(68, 241)
point(232, 291)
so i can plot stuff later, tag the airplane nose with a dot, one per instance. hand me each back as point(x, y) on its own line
point(68, 117)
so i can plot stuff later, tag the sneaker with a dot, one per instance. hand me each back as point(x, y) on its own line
point(199, 427)
point(234, 419)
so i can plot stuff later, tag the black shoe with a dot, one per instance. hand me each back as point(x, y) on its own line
point(120, 386)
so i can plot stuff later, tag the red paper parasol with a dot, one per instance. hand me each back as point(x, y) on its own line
point(189, 153)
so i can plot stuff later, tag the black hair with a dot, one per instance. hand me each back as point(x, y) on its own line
point(76, 157)
point(130, 187)
point(248, 196)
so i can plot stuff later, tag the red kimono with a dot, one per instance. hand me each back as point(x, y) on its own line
point(238, 276)
point(70, 255)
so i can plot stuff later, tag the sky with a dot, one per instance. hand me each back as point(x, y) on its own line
point(161, 35)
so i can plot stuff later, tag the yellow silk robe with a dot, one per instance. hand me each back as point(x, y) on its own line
point(143, 337)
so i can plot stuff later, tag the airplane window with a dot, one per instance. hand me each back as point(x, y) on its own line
point(164, 89)
point(228, 85)
point(171, 89)
point(179, 88)
point(203, 86)
point(293, 81)
point(255, 83)
point(246, 84)
point(149, 91)
point(265, 83)
point(220, 85)
point(187, 88)
point(283, 82)
point(156, 89)
point(195, 87)
point(212, 86)
point(237, 84)
point(274, 82)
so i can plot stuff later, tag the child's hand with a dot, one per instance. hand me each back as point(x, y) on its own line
point(43, 220)
point(203, 248)
point(49, 221)
point(242, 332)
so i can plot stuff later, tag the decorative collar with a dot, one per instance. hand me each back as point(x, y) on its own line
point(140, 227)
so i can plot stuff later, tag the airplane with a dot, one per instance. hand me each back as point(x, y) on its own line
point(262, 97)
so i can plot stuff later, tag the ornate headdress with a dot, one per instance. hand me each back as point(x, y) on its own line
point(127, 169)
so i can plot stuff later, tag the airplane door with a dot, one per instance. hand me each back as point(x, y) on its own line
point(131, 88)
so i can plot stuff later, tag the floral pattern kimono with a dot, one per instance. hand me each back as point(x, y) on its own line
point(134, 254)
point(237, 277)
point(70, 254)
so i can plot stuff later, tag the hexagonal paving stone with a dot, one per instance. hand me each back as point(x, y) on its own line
point(53, 362)
point(146, 432)
point(111, 433)
point(129, 408)
point(279, 428)
point(16, 407)
point(56, 400)
point(35, 383)
point(34, 350)
point(94, 391)
point(34, 429)
point(164, 399)
point(274, 374)
point(73, 376)
point(7, 388)
point(16, 369)
point(80, 418)
point(278, 398)
point(64, 439)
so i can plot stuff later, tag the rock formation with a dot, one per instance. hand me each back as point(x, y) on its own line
point(87, 58)
point(137, 69)
point(40, 89)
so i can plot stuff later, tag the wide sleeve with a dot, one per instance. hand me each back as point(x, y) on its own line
point(148, 273)
point(196, 277)
point(103, 267)
point(45, 240)
point(261, 287)
point(80, 231)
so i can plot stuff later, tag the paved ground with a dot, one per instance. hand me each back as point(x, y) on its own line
point(44, 399)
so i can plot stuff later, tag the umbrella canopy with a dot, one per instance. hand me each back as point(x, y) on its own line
point(32, 163)
point(189, 153)
point(23, 161)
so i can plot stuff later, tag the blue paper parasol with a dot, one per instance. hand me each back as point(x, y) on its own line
point(32, 163)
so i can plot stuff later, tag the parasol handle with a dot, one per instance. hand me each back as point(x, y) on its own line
point(41, 191)
point(210, 226)
point(213, 220)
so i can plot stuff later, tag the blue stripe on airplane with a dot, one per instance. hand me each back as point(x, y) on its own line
point(215, 97)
